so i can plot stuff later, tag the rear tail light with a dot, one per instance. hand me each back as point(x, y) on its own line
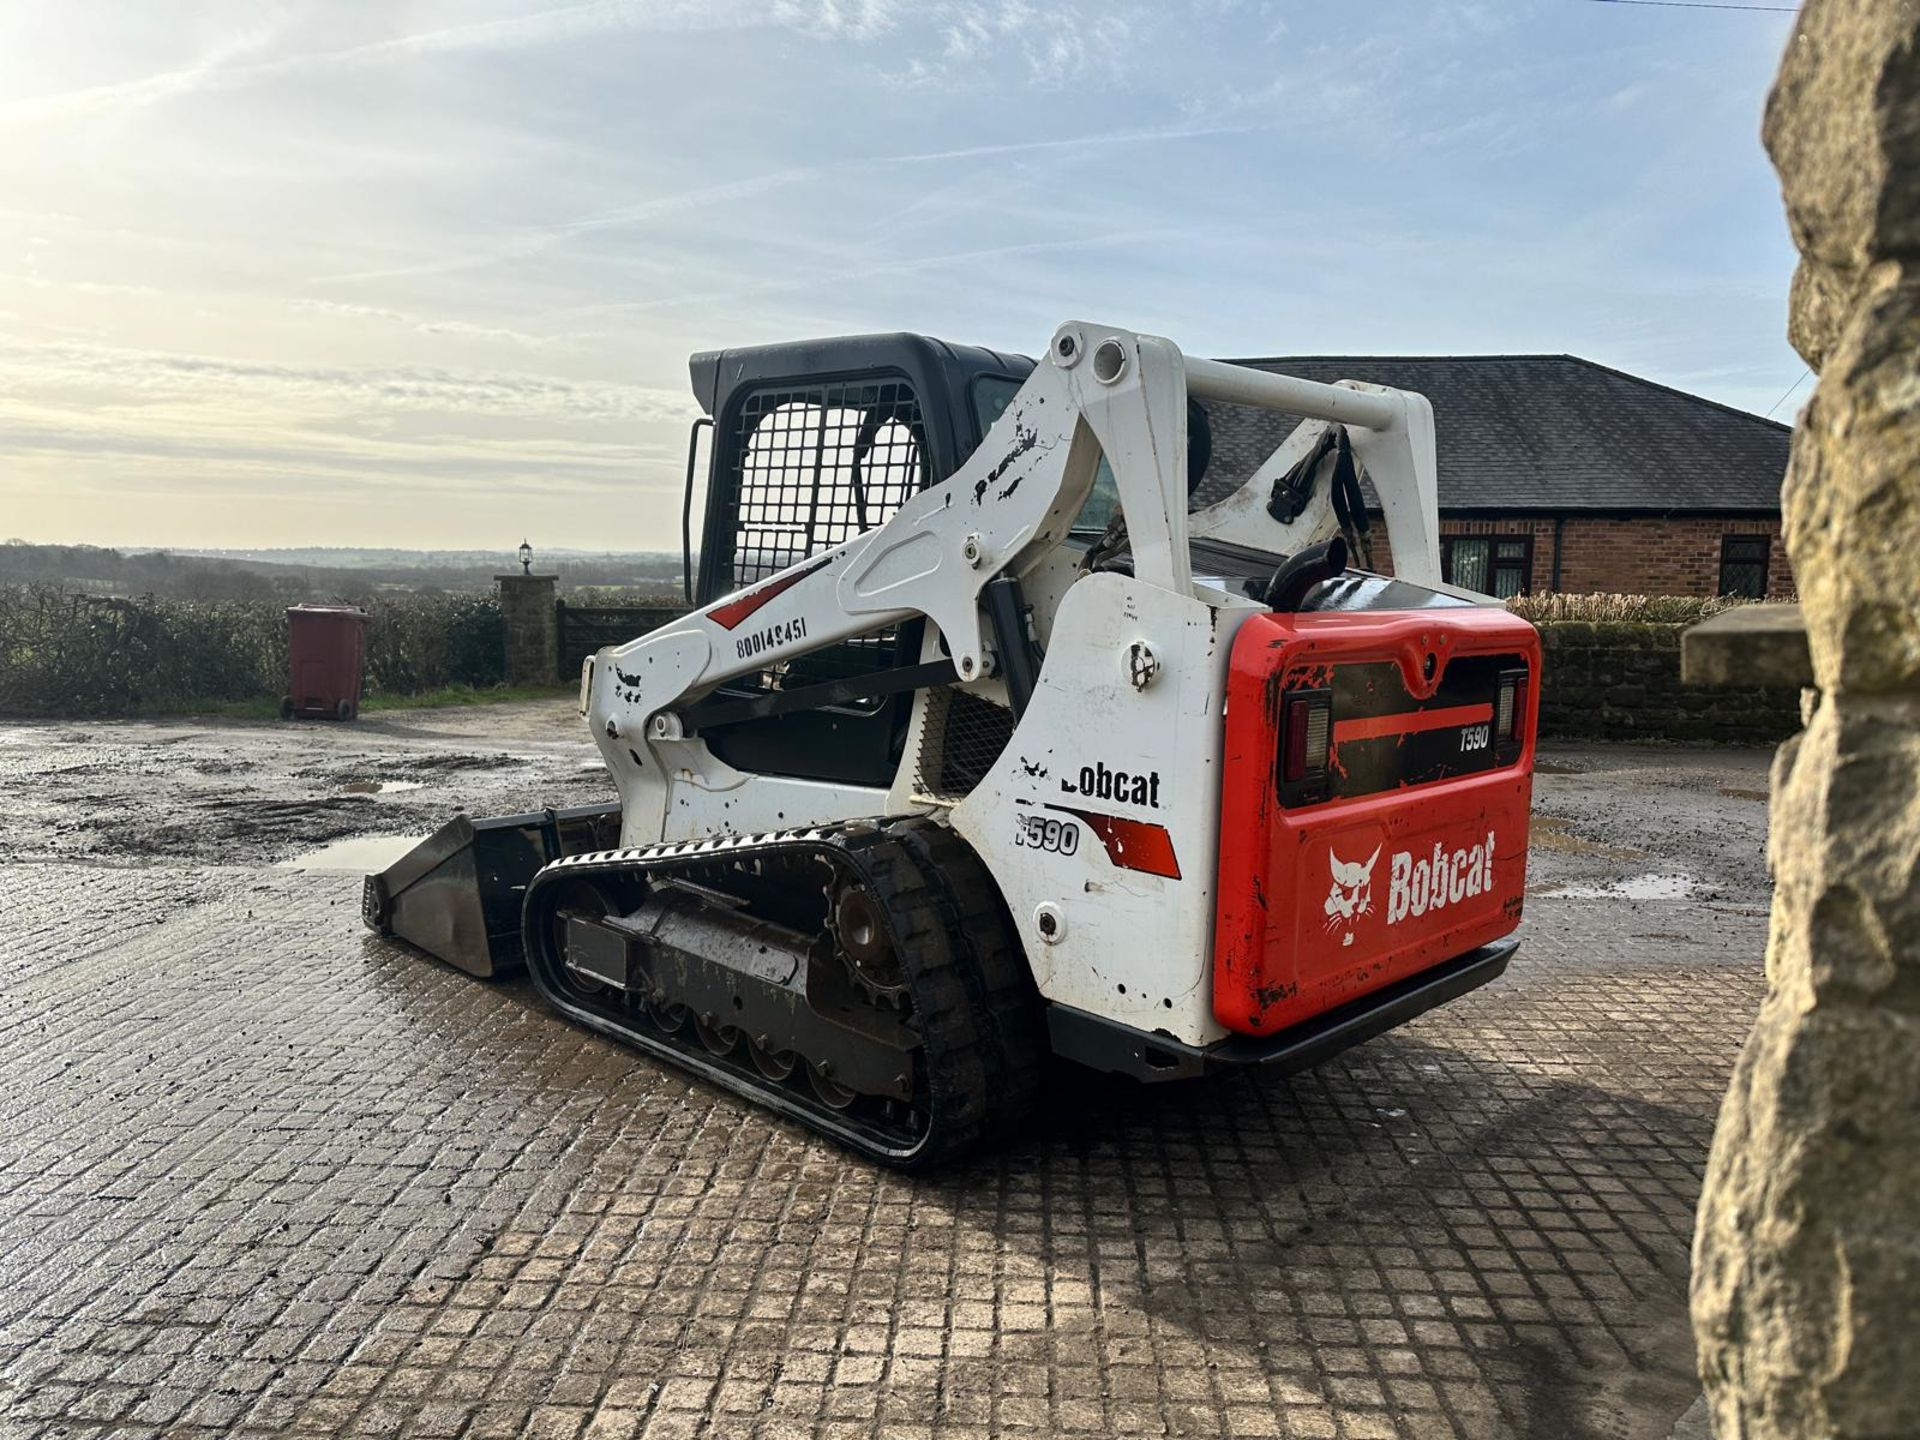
point(1305, 739)
point(1510, 715)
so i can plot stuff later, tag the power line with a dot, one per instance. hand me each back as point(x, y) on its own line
point(1790, 389)
point(1702, 5)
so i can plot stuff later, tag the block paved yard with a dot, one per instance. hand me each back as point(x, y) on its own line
point(261, 1174)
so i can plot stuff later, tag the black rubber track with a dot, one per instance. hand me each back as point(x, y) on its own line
point(972, 999)
point(993, 966)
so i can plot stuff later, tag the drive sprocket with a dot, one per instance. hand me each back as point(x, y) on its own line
point(859, 929)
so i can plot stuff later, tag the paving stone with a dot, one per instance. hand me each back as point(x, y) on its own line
point(262, 1174)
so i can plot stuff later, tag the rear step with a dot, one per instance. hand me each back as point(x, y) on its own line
point(458, 894)
point(1103, 1044)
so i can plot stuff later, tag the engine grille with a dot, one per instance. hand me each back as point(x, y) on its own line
point(965, 736)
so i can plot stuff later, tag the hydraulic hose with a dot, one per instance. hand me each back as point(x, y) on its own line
point(1303, 570)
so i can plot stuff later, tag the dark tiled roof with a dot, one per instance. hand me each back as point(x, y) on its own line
point(1542, 433)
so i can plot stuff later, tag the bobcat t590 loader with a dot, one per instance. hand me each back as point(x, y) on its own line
point(980, 745)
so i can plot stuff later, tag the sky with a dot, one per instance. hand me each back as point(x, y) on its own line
point(425, 273)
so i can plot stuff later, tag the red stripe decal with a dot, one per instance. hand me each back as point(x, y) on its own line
point(1131, 844)
point(1409, 722)
point(734, 611)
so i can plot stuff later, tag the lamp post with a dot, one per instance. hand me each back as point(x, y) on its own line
point(526, 558)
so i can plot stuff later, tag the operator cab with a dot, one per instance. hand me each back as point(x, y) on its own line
point(815, 443)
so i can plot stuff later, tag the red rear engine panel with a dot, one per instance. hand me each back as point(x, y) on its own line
point(1407, 844)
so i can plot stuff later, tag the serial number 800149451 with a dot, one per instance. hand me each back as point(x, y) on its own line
point(1044, 832)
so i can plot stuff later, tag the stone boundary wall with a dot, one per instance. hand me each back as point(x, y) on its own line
point(1620, 680)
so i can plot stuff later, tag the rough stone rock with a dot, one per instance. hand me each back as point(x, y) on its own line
point(1748, 645)
point(1843, 129)
point(1852, 496)
point(1806, 1287)
point(1806, 1284)
point(1817, 307)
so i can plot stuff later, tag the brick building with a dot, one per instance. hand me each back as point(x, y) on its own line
point(1560, 474)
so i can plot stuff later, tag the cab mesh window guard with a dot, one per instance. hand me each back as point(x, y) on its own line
point(817, 465)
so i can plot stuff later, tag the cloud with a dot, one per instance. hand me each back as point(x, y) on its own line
point(1055, 43)
point(519, 203)
point(83, 287)
point(424, 326)
point(129, 94)
point(1143, 136)
point(250, 463)
point(218, 436)
point(818, 280)
point(533, 242)
point(835, 19)
point(224, 68)
point(139, 377)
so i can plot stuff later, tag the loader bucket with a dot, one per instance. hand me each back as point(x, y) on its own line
point(457, 894)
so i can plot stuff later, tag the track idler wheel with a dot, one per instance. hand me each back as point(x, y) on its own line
point(584, 895)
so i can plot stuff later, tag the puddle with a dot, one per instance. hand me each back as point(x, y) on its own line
point(382, 787)
point(1637, 887)
point(1547, 765)
point(357, 854)
point(1554, 832)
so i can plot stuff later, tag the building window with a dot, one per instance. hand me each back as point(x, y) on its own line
point(1499, 565)
point(1743, 565)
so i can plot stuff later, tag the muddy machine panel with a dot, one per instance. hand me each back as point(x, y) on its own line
point(1378, 775)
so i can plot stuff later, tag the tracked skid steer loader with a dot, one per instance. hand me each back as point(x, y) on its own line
point(981, 744)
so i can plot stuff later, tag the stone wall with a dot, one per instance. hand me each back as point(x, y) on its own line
point(1620, 680)
point(532, 632)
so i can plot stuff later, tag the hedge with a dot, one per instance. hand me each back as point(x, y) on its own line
point(1612, 662)
point(69, 654)
point(1552, 609)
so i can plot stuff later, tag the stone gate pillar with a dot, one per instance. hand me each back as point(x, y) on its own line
point(1806, 1282)
point(532, 625)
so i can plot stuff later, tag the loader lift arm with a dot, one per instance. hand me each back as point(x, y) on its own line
point(1101, 391)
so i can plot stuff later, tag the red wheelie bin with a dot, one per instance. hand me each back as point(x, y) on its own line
point(326, 655)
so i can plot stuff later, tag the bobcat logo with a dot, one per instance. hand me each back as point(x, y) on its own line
point(1352, 892)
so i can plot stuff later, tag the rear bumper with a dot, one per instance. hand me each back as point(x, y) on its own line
point(1104, 1044)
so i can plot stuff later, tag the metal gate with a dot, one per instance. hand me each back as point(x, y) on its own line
point(586, 628)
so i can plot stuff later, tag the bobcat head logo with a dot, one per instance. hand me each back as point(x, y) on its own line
point(1352, 892)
